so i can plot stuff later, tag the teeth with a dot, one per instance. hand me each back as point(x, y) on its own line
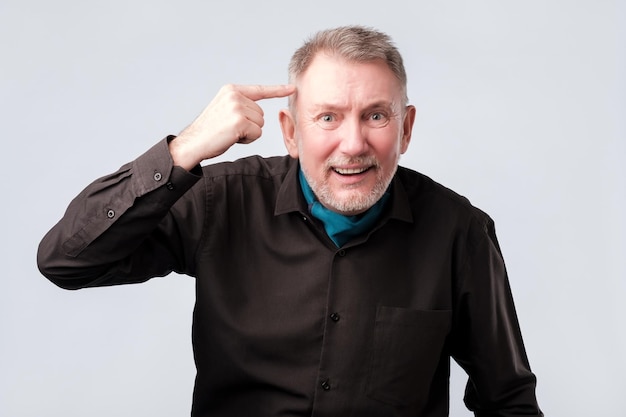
point(350, 171)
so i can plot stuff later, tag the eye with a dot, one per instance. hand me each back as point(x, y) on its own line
point(377, 119)
point(327, 121)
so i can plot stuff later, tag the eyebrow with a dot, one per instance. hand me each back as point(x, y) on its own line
point(338, 107)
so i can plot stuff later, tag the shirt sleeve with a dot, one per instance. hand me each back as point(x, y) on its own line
point(487, 341)
point(126, 227)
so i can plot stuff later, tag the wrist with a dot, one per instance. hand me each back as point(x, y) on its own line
point(181, 154)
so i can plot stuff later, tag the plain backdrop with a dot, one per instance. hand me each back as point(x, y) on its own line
point(521, 108)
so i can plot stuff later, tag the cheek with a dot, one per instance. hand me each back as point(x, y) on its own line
point(315, 146)
point(386, 145)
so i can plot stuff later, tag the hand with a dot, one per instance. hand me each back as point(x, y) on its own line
point(233, 116)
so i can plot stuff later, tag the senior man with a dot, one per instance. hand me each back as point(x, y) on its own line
point(330, 281)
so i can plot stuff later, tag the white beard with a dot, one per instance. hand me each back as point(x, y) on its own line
point(350, 202)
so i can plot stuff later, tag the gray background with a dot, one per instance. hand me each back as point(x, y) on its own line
point(520, 108)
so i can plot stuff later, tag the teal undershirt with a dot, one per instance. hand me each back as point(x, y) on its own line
point(338, 227)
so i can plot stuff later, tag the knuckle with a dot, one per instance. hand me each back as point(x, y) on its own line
point(229, 92)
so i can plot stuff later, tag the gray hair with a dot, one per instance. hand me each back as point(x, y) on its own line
point(353, 43)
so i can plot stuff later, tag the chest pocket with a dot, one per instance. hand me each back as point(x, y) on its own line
point(407, 350)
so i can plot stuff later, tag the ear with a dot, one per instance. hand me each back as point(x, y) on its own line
point(407, 127)
point(288, 127)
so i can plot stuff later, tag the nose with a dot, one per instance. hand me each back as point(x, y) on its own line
point(353, 139)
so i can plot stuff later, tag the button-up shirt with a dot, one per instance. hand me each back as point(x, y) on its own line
point(285, 322)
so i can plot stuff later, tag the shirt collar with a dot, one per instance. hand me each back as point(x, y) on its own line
point(290, 198)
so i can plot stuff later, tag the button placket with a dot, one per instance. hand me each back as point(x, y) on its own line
point(331, 368)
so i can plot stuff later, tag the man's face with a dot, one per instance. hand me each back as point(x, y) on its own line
point(349, 131)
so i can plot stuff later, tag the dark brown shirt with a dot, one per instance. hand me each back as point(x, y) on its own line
point(286, 323)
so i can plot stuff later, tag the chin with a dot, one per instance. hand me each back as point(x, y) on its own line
point(351, 205)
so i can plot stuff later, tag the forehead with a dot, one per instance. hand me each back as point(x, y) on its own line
point(337, 81)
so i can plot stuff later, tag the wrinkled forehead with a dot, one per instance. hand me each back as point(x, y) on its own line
point(330, 77)
point(337, 82)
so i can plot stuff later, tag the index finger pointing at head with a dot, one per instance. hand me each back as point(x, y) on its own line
point(260, 92)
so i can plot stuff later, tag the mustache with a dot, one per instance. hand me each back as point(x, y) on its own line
point(356, 160)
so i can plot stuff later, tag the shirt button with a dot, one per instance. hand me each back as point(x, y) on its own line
point(325, 384)
point(342, 252)
point(169, 186)
point(335, 317)
point(157, 176)
point(110, 214)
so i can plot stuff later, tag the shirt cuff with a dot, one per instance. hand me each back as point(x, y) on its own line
point(155, 168)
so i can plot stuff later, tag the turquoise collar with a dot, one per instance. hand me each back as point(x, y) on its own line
point(338, 227)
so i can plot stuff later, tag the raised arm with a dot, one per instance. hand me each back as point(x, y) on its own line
point(145, 219)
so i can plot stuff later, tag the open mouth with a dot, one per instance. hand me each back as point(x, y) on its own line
point(351, 171)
